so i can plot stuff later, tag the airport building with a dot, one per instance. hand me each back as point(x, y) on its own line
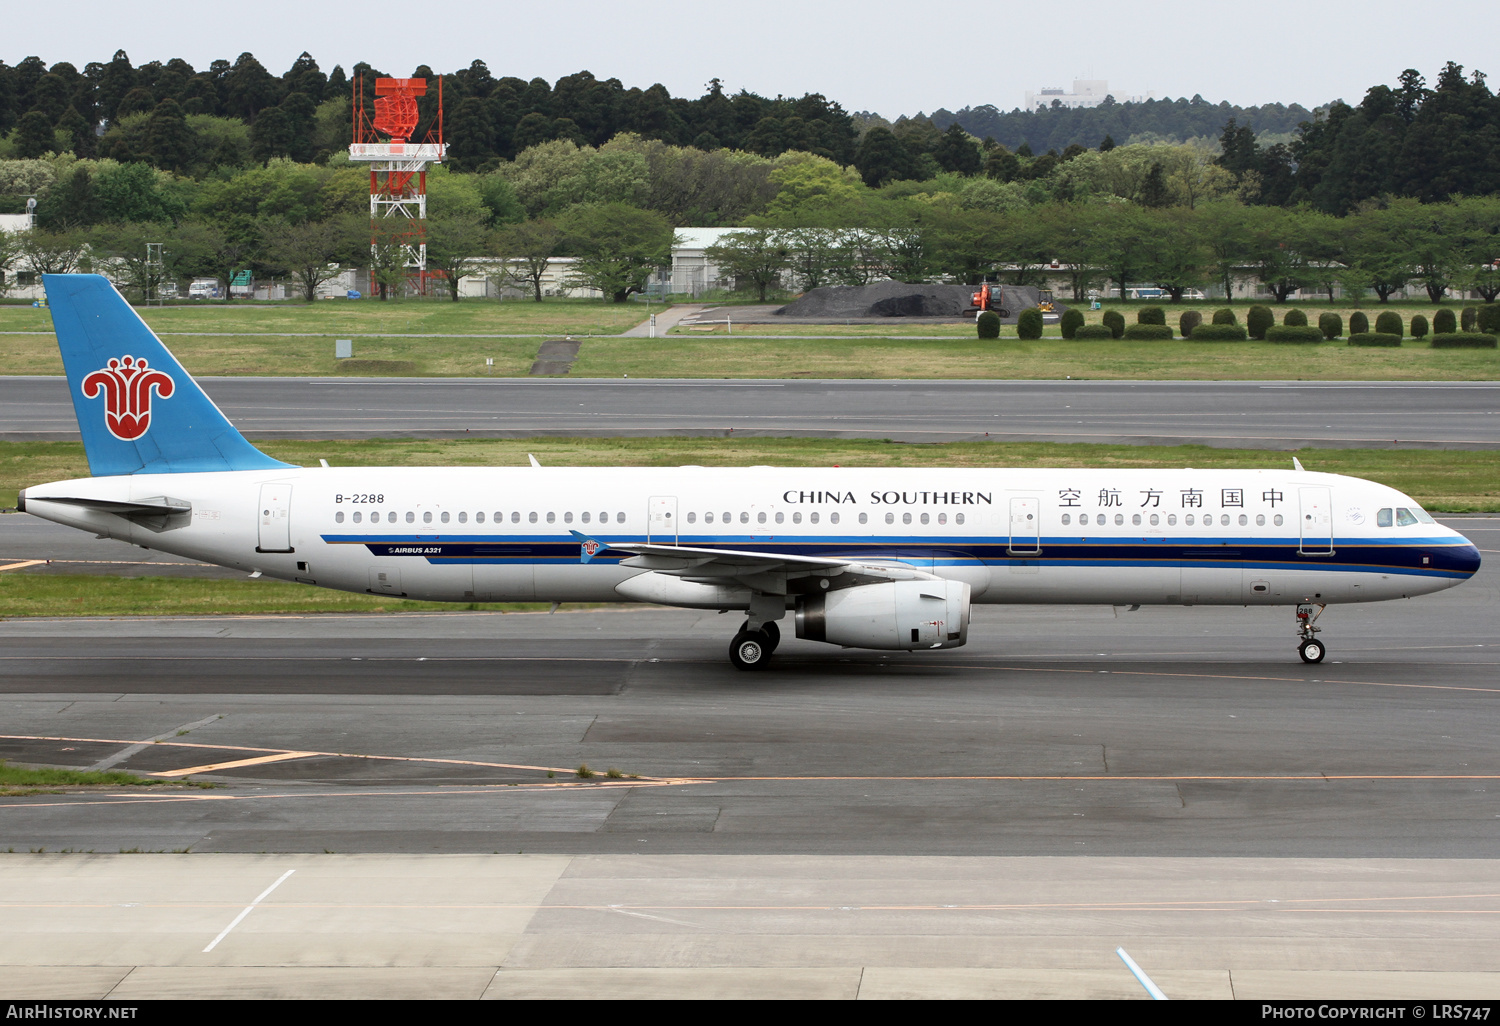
point(1087, 92)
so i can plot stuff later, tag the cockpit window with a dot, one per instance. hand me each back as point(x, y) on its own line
point(1422, 515)
point(1383, 518)
point(1404, 517)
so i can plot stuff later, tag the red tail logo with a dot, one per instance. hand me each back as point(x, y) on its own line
point(126, 385)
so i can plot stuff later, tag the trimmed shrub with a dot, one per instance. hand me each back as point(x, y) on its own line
point(1294, 319)
point(1293, 333)
point(1115, 321)
point(1489, 318)
point(1464, 340)
point(1187, 322)
point(1468, 318)
point(1072, 320)
point(1219, 333)
point(1373, 338)
point(1359, 324)
point(1029, 324)
point(1151, 315)
point(1418, 326)
point(1224, 316)
point(1331, 325)
point(1093, 331)
point(1389, 323)
point(1258, 320)
point(1444, 323)
point(1149, 332)
point(989, 324)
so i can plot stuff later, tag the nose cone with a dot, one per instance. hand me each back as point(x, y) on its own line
point(1463, 558)
point(1460, 558)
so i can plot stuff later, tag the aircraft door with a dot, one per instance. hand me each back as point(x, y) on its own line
point(275, 519)
point(661, 521)
point(1025, 525)
point(1317, 521)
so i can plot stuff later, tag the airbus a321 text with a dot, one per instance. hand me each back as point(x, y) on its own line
point(879, 559)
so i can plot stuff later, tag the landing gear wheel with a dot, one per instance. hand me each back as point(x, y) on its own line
point(749, 650)
point(772, 633)
point(1311, 651)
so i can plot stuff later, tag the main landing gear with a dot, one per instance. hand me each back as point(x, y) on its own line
point(1311, 650)
point(751, 649)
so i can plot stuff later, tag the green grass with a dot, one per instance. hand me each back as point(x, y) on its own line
point(19, 777)
point(297, 339)
point(51, 594)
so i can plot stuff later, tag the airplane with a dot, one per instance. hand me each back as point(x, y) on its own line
point(888, 559)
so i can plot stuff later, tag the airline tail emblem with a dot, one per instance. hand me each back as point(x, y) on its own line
point(127, 384)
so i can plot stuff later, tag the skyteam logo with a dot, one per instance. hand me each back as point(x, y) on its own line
point(126, 385)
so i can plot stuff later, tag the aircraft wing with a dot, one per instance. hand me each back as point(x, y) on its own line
point(708, 565)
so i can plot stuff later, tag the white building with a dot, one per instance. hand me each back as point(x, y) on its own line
point(1087, 92)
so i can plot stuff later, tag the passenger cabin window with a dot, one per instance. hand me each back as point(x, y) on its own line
point(411, 518)
point(780, 518)
point(444, 517)
point(531, 517)
point(584, 516)
point(958, 519)
point(1083, 520)
point(864, 518)
point(745, 518)
point(567, 518)
point(692, 518)
point(551, 517)
point(338, 518)
point(1067, 518)
point(356, 518)
point(515, 517)
point(478, 518)
point(463, 518)
point(942, 518)
point(427, 517)
point(906, 518)
point(760, 518)
point(812, 517)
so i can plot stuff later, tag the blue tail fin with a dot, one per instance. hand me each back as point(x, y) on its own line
point(138, 410)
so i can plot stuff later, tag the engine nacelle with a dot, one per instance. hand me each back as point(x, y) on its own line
point(894, 615)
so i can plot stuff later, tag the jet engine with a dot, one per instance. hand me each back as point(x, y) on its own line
point(892, 615)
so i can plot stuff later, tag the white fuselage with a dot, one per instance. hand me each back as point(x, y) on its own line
point(1240, 537)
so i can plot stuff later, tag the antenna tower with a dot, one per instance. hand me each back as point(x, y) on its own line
point(398, 174)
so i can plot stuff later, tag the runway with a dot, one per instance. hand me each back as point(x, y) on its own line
point(1266, 414)
point(982, 822)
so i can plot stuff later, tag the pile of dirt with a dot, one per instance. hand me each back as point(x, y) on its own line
point(898, 299)
point(883, 299)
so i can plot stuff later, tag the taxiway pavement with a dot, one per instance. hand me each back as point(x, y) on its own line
point(1256, 414)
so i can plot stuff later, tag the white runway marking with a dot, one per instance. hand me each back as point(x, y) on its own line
point(248, 909)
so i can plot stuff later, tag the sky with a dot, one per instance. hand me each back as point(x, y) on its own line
point(878, 55)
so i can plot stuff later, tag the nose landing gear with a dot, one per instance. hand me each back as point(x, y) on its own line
point(1311, 650)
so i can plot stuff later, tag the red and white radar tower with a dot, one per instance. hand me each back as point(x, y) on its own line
point(398, 172)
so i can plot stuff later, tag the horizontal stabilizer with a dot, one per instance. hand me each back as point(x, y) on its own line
point(156, 507)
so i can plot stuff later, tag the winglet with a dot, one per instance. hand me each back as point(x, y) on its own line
point(588, 547)
point(1297, 465)
point(533, 460)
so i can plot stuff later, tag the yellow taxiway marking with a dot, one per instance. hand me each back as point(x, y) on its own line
point(283, 753)
point(259, 760)
point(23, 563)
